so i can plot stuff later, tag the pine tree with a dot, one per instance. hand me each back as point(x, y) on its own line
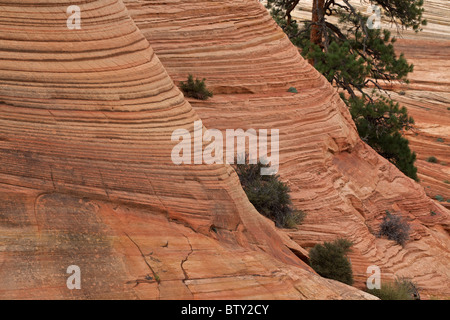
point(359, 60)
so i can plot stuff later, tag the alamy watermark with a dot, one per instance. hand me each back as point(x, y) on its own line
point(374, 20)
point(374, 279)
point(74, 20)
point(74, 280)
point(213, 153)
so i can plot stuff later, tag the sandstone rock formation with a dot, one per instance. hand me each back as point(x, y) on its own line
point(427, 98)
point(342, 184)
point(427, 95)
point(86, 178)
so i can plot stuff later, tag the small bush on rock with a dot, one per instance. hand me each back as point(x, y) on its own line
point(394, 228)
point(195, 88)
point(400, 289)
point(269, 195)
point(330, 261)
point(432, 159)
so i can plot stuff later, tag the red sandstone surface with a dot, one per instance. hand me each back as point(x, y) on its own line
point(342, 184)
point(86, 178)
point(427, 96)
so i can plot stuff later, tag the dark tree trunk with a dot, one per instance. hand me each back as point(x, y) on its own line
point(289, 9)
point(316, 28)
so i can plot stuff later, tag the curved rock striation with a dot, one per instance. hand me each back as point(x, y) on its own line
point(342, 184)
point(427, 95)
point(86, 176)
point(427, 98)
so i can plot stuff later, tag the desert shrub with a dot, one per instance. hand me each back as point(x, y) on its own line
point(447, 181)
point(394, 228)
point(195, 88)
point(293, 90)
point(440, 140)
point(269, 195)
point(439, 198)
point(330, 261)
point(400, 289)
point(432, 159)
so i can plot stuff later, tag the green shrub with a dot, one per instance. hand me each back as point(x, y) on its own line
point(293, 90)
point(329, 260)
point(195, 88)
point(439, 198)
point(400, 289)
point(354, 59)
point(447, 181)
point(269, 195)
point(432, 159)
point(433, 213)
point(380, 124)
point(440, 140)
point(394, 228)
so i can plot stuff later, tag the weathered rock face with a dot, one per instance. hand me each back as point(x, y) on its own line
point(86, 176)
point(342, 184)
point(427, 98)
point(427, 95)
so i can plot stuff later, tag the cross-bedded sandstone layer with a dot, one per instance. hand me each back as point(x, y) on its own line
point(427, 95)
point(86, 176)
point(342, 184)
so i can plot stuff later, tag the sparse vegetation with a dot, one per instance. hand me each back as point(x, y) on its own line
point(439, 198)
point(269, 195)
point(195, 88)
point(394, 228)
point(293, 90)
point(433, 213)
point(440, 140)
point(381, 124)
point(432, 159)
point(447, 181)
point(400, 289)
point(330, 260)
point(360, 60)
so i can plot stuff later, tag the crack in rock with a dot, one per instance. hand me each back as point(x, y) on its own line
point(186, 277)
point(155, 275)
